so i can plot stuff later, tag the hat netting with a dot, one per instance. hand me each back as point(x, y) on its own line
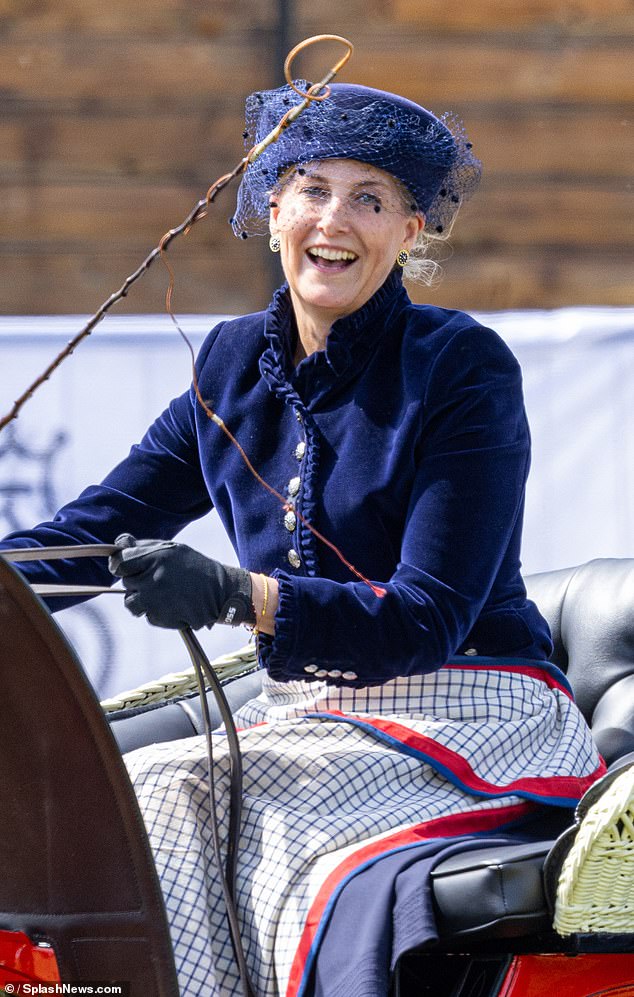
point(430, 156)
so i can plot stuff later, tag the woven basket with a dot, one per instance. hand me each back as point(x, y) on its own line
point(178, 684)
point(595, 892)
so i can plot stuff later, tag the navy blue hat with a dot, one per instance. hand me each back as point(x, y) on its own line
point(429, 155)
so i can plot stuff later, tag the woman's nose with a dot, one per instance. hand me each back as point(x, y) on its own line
point(333, 216)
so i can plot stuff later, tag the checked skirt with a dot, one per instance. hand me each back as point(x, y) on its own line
point(335, 778)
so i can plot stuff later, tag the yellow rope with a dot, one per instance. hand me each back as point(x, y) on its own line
point(177, 684)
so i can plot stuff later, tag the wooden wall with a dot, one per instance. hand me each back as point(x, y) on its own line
point(116, 114)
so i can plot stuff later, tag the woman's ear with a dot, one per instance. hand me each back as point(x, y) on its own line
point(415, 225)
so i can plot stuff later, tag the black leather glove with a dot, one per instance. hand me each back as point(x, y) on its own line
point(176, 587)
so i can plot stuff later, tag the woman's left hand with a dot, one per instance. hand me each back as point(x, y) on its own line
point(175, 586)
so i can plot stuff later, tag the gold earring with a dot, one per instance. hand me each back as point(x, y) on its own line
point(275, 244)
point(402, 257)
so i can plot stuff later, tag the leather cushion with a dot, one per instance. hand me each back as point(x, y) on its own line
point(143, 725)
point(492, 892)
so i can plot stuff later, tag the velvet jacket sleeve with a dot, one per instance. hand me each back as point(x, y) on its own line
point(463, 520)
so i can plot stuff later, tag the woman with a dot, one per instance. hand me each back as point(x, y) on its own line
point(405, 677)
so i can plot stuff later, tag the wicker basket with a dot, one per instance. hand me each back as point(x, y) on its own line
point(595, 892)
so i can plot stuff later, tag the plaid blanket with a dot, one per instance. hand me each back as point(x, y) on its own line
point(336, 781)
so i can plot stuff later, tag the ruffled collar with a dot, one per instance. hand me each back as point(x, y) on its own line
point(349, 342)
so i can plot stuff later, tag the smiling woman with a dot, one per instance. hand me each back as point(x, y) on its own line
point(405, 677)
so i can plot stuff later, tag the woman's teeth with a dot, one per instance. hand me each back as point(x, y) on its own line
point(332, 255)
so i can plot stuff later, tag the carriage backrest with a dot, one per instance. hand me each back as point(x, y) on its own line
point(590, 609)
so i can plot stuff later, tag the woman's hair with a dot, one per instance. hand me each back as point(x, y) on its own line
point(422, 266)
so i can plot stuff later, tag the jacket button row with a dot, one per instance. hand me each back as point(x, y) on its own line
point(321, 673)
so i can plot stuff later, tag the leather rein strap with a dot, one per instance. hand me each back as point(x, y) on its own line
point(72, 551)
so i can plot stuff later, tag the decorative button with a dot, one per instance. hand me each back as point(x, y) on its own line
point(290, 521)
point(298, 415)
point(321, 674)
point(471, 650)
point(293, 486)
point(293, 558)
point(349, 676)
point(311, 669)
point(334, 674)
point(300, 450)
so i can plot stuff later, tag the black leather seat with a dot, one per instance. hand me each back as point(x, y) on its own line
point(136, 727)
point(499, 893)
point(590, 610)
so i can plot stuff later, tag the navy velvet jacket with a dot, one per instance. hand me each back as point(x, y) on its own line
point(404, 442)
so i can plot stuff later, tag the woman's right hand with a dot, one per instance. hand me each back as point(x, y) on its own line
point(175, 586)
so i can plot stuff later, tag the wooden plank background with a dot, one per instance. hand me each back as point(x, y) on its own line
point(115, 117)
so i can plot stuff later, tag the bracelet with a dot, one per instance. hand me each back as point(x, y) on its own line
point(265, 600)
point(265, 603)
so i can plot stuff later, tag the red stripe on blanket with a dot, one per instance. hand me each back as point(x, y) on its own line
point(541, 674)
point(569, 787)
point(451, 826)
